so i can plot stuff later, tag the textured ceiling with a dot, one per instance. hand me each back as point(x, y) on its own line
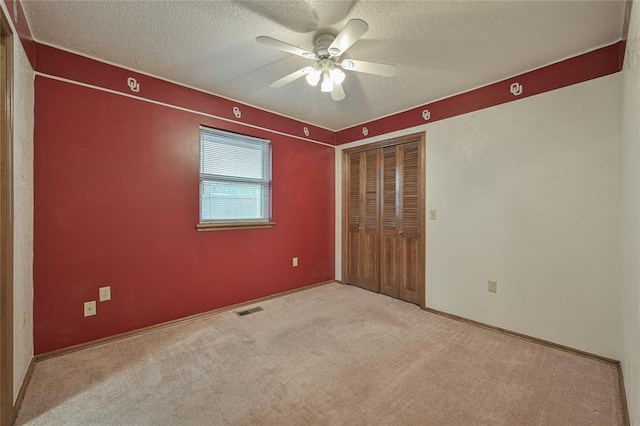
point(441, 47)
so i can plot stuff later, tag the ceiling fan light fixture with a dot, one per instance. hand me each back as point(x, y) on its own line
point(337, 76)
point(327, 83)
point(327, 67)
point(313, 77)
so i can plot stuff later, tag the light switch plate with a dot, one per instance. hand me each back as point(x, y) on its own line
point(432, 215)
point(89, 308)
point(295, 261)
point(493, 286)
point(105, 293)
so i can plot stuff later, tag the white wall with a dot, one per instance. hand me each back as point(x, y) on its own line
point(23, 101)
point(631, 218)
point(528, 194)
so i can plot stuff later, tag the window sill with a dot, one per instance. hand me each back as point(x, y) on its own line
point(222, 226)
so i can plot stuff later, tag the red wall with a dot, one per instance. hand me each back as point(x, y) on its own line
point(116, 203)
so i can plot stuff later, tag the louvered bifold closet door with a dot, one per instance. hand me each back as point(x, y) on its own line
point(401, 246)
point(363, 267)
point(409, 247)
point(384, 222)
point(390, 223)
point(370, 225)
point(354, 220)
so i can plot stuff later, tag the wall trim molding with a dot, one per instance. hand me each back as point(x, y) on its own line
point(600, 62)
point(23, 389)
point(96, 73)
point(526, 337)
point(18, 18)
point(192, 111)
point(623, 395)
point(162, 325)
point(6, 224)
point(574, 351)
point(177, 83)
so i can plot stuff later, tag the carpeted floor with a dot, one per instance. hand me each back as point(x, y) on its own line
point(332, 355)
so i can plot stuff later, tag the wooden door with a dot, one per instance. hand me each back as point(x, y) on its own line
point(409, 246)
point(383, 218)
point(363, 266)
point(402, 242)
point(390, 223)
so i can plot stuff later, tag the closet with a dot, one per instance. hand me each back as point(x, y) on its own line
point(383, 241)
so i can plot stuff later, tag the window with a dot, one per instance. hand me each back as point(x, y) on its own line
point(235, 181)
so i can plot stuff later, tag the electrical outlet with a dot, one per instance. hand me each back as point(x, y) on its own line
point(295, 262)
point(105, 293)
point(89, 308)
point(493, 286)
point(432, 215)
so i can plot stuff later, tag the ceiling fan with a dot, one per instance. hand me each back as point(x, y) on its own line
point(326, 54)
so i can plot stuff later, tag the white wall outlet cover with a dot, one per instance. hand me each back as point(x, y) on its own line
point(105, 293)
point(89, 308)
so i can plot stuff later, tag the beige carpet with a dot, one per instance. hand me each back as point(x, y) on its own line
point(333, 355)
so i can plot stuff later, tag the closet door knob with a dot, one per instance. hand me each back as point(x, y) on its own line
point(400, 232)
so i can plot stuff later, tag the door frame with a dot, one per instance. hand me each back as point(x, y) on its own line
point(6, 231)
point(413, 137)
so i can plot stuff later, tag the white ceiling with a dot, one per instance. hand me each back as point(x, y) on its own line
point(441, 47)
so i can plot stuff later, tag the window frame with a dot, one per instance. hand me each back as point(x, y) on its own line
point(221, 225)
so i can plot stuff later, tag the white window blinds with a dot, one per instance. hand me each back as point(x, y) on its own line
point(235, 177)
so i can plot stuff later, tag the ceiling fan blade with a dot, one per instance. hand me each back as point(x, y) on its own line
point(337, 94)
point(289, 48)
point(351, 32)
point(291, 77)
point(385, 70)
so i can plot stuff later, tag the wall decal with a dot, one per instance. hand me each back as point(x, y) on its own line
point(426, 114)
point(516, 89)
point(237, 112)
point(306, 131)
point(365, 131)
point(133, 84)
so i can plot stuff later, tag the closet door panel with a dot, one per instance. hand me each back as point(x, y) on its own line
point(410, 236)
point(389, 272)
point(389, 246)
point(354, 249)
point(370, 223)
point(409, 276)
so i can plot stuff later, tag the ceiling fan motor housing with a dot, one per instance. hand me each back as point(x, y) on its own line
point(322, 46)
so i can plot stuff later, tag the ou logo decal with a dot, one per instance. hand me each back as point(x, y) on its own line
point(133, 84)
point(516, 89)
point(237, 112)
